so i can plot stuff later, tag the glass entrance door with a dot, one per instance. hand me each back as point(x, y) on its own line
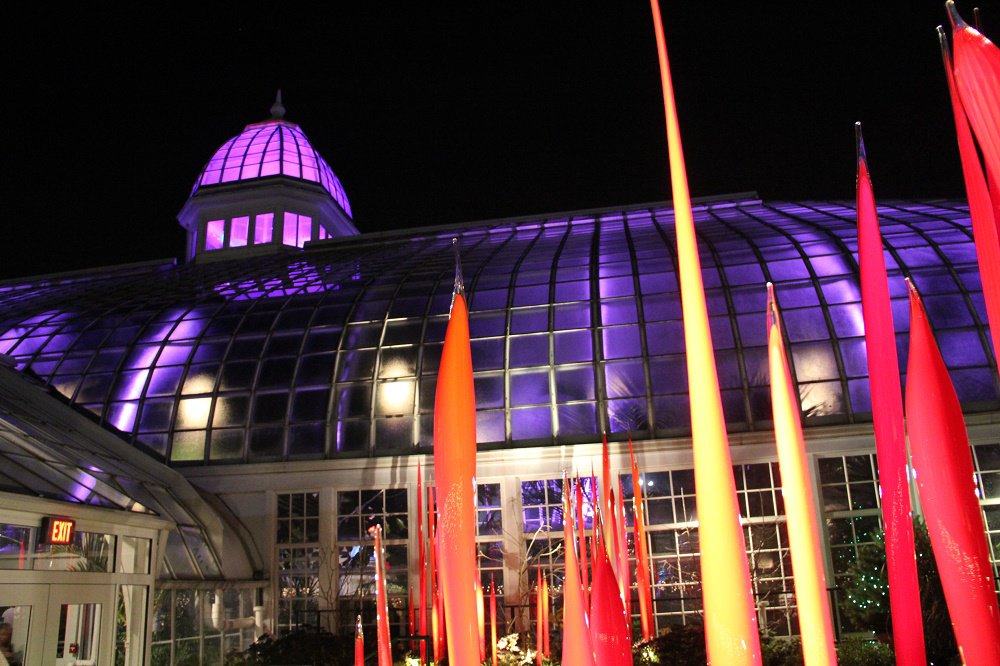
point(22, 613)
point(79, 630)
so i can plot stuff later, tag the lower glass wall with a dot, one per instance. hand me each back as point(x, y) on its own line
point(987, 461)
point(184, 631)
point(672, 517)
point(852, 510)
point(673, 536)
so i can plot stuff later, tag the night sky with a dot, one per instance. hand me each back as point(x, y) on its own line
point(433, 113)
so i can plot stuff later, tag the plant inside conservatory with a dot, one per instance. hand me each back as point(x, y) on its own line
point(866, 602)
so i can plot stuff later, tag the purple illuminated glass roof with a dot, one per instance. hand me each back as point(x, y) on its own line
point(272, 148)
point(575, 322)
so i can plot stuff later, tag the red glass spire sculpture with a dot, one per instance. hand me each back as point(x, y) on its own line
point(887, 414)
point(607, 504)
point(982, 209)
point(454, 478)
point(608, 628)
point(621, 544)
point(977, 79)
point(411, 615)
point(421, 566)
point(942, 460)
point(382, 603)
point(359, 643)
point(730, 620)
point(815, 626)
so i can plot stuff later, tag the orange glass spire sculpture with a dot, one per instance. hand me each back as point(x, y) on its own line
point(546, 635)
point(942, 461)
point(437, 621)
point(539, 620)
point(595, 531)
point(455, 480)
point(730, 620)
point(382, 604)
point(890, 436)
point(584, 574)
point(815, 626)
point(642, 574)
point(493, 619)
point(482, 620)
point(576, 646)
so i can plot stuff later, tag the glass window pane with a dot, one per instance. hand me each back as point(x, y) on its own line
point(239, 229)
point(215, 234)
point(263, 228)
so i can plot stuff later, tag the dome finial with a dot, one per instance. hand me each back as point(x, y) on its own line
point(278, 109)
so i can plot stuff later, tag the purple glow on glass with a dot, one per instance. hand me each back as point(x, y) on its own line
point(305, 230)
point(531, 422)
point(238, 235)
point(187, 329)
point(215, 235)
point(621, 342)
point(263, 228)
point(176, 354)
point(271, 148)
point(289, 228)
point(60, 342)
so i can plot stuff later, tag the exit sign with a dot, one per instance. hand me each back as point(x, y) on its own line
point(58, 531)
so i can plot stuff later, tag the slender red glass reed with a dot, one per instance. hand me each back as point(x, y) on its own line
point(890, 436)
point(945, 476)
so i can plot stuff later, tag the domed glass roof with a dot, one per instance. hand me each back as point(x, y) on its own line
point(274, 147)
point(575, 322)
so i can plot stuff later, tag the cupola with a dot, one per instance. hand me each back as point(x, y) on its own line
point(265, 188)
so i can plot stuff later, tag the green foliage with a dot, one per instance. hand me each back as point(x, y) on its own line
point(317, 648)
point(867, 595)
point(680, 645)
point(863, 652)
point(685, 646)
point(777, 651)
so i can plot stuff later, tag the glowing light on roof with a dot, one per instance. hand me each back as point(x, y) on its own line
point(274, 147)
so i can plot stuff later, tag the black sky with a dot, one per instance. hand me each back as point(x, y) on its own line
point(433, 113)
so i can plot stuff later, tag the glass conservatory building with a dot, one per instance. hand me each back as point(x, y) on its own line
point(268, 398)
